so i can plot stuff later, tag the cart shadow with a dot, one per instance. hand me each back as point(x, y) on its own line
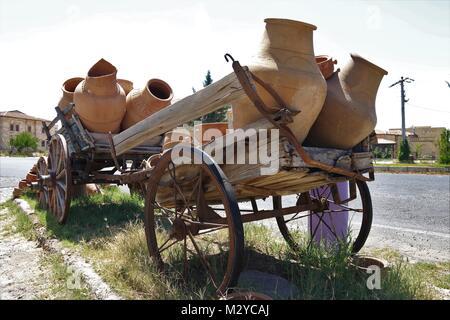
point(261, 273)
point(95, 218)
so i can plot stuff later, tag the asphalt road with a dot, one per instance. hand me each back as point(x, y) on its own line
point(411, 212)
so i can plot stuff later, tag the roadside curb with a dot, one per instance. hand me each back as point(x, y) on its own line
point(412, 169)
point(99, 288)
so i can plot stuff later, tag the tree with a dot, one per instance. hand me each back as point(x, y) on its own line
point(219, 115)
point(23, 141)
point(208, 79)
point(444, 147)
point(404, 151)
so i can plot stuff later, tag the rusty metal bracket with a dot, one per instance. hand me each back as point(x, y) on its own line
point(112, 149)
point(246, 77)
point(335, 192)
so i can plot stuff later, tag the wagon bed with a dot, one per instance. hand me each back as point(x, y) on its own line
point(203, 196)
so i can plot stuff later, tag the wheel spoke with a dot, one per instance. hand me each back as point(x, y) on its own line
point(203, 259)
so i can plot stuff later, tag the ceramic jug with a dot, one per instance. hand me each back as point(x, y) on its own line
point(68, 88)
point(348, 115)
point(156, 95)
point(287, 63)
point(100, 100)
point(126, 85)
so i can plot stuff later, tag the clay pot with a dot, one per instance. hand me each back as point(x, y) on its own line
point(286, 62)
point(23, 184)
point(326, 65)
point(247, 295)
point(206, 132)
point(68, 88)
point(126, 85)
point(348, 115)
point(176, 136)
point(100, 100)
point(364, 263)
point(34, 169)
point(16, 193)
point(156, 95)
point(31, 177)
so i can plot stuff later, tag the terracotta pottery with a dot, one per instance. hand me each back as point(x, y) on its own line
point(23, 184)
point(17, 193)
point(68, 88)
point(365, 263)
point(286, 62)
point(156, 95)
point(205, 132)
point(100, 100)
point(348, 115)
point(176, 136)
point(126, 85)
point(31, 177)
point(34, 169)
point(246, 295)
point(326, 65)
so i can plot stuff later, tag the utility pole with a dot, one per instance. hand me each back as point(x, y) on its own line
point(403, 101)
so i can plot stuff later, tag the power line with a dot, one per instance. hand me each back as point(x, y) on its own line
point(430, 109)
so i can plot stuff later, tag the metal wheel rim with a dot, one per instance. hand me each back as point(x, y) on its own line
point(43, 193)
point(234, 223)
point(60, 171)
point(364, 230)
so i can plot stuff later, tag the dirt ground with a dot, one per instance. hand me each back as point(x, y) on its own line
point(21, 274)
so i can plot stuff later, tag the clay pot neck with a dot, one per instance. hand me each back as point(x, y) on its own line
point(362, 78)
point(102, 79)
point(68, 87)
point(157, 93)
point(283, 35)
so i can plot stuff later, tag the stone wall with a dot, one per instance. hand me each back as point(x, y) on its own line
point(22, 125)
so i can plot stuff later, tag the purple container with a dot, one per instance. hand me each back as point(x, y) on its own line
point(320, 224)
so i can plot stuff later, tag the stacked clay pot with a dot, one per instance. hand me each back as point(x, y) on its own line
point(206, 132)
point(287, 63)
point(126, 85)
point(326, 65)
point(68, 88)
point(348, 115)
point(100, 100)
point(140, 104)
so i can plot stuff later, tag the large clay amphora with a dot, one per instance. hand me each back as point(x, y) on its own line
point(68, 88)
point(286, 62)
point(100, 100)
point(141, 103)
point(348, 115)
point(126, 85)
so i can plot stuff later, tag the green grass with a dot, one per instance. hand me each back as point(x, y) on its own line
point(21, 223)
point(399, 164)
point(92, 218)
point(108, 230)
point(64, 284)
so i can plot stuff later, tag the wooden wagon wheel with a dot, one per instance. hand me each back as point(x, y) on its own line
point(176, 198)
point(359, 219)
point(59, 169)
point(44, 191)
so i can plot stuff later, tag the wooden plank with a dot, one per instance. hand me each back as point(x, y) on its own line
point(211, 98)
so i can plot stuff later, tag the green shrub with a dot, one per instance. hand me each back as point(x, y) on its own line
point(24, 140)
point(444, 147)
point(404, 151)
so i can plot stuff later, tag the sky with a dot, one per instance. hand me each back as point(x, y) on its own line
point(43, 43)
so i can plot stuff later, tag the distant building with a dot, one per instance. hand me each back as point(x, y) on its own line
point(423, 141)
point(14, 122)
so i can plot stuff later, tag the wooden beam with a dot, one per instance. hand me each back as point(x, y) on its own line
point(209, 99)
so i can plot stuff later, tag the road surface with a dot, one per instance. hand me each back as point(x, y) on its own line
point(411, 211)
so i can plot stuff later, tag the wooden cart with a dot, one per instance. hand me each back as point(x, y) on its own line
point(185, 203)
